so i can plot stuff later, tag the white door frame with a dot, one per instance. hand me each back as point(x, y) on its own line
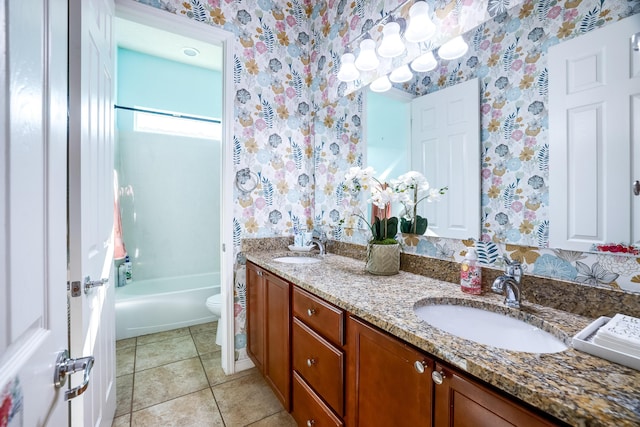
point(147, 15)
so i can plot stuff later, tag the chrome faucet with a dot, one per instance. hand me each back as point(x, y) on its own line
point(510, 283)
point(318, 242)
point(319, 239)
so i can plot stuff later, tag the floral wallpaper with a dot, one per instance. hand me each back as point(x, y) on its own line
point(272, 140)
point(297, 129)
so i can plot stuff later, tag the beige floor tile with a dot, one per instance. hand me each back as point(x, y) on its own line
point(246, 400)
point(204, 327)
point(161, 336)
point(166, 351)
point(121, 421)
point(167, 382)
point(125, 361)
point(212, 363)
point(124, 392)
point(206, 342)
point(193, 410)
point(125, 343)
point(281, 419)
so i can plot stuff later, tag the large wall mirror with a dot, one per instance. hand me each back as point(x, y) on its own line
point(510, 56)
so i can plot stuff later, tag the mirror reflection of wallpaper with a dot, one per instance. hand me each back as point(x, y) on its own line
point(508, 54)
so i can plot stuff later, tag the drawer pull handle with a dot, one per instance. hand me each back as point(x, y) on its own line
point(311, 362)
point(310, 423)
point(438, 377)
point(419, 365)
point(311, 311)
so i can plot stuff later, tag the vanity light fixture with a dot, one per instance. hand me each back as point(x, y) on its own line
point(381, 84)
point(420, 26)
point(392, 44)
point(401, 74)
point(367, 59)
point(425, 62)
point(453, 49)
point(348, 71)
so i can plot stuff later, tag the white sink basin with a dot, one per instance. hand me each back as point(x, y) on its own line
point(489, 328)
point(297, 260)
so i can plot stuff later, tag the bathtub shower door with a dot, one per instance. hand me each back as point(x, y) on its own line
point(92, 318)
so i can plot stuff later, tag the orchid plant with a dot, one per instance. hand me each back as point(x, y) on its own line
point(384, 227)
point(413, 188)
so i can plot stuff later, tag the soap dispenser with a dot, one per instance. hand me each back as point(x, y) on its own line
point(471, 274)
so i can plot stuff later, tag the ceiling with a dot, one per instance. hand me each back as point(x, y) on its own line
point(164, 44)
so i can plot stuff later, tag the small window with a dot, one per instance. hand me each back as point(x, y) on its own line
point(205, 128)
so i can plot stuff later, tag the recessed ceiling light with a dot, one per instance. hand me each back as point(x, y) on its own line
point(190, 51)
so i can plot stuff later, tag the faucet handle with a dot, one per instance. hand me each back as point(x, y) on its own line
point(513, 268)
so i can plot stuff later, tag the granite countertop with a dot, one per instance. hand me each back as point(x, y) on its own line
point(576, 387)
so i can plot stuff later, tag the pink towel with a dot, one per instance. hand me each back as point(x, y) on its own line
point(119, 250)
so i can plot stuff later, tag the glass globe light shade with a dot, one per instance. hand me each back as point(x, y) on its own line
point(381, 84)
point(425, 62)
point(401, 74)
point(453, 49)
point(348, 71)
point(420, 26)
point(367, 59)
point(391, 42)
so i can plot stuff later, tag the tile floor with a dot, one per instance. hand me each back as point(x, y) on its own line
point(174, 378)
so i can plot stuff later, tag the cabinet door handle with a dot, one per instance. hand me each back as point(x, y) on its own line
point(311, 311)
point(311, 361)
point(419, 365)
point(438, 377)
point(310, 423)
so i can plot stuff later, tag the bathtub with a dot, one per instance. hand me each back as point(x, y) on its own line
point(149, 306)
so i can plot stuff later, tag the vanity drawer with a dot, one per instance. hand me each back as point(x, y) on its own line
point(308, 409)
point(321, 316)
point(320, 363)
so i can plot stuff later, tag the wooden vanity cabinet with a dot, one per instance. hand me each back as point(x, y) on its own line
point(461, 401)
point(388, 382)
point(329, 368)
point(318, 360)
point(269, 329)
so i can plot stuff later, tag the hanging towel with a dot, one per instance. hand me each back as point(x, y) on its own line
point(119, 249)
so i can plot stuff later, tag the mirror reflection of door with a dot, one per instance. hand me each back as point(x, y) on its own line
point(438, 135)
point(594, 91)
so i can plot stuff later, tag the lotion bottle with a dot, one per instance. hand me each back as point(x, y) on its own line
point(128, 269)
point(471, 274)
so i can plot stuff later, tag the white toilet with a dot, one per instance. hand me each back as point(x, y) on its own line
point(214, 304)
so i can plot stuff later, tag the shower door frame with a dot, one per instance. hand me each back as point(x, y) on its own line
point(147, 15)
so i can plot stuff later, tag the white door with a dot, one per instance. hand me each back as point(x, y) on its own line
point(33, 138)
point(445, 147)
point(594, 100)
point(92, 318)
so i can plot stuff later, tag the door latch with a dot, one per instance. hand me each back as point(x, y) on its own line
point(88, 283)
point(66, 366)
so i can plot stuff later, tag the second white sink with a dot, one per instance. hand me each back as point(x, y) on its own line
point(297, 260)
point(489, 328)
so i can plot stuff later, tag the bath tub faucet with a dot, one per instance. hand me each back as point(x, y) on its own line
point(510, 283)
